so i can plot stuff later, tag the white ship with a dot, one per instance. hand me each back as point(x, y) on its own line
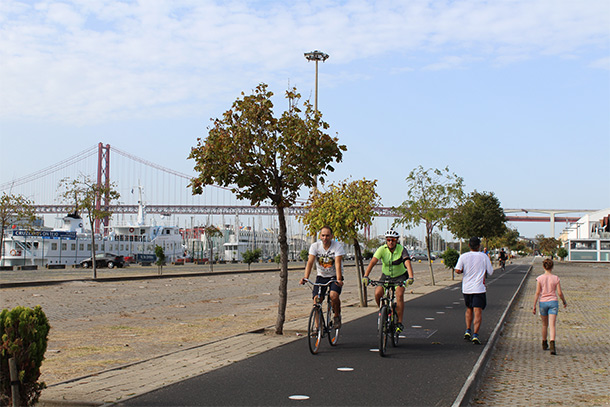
point(70, 244)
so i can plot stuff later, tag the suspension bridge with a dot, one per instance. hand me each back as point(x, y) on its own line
point(167, 192)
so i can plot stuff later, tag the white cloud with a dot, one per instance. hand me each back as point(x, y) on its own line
point(95, 60)
point(602, 63)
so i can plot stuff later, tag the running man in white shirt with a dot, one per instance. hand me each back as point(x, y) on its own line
point(475, 265)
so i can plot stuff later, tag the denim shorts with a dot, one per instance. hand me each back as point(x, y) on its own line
point(549, 308)
point(322, 290)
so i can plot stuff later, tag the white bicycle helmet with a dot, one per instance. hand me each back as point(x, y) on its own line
point(392, 233)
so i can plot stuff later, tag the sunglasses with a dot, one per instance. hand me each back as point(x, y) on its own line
point(391, 239)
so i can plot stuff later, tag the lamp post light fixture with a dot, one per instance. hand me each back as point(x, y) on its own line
point(316, 56)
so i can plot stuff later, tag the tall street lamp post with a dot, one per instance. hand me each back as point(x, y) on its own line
point(316, 56)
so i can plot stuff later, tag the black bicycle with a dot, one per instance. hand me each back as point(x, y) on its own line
point(320, 326)
point(388, 319)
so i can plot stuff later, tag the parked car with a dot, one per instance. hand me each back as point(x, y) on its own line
point(419, 256)
point(104, 260)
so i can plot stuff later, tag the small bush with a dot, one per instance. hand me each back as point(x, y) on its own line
point(304, 255)
point(24, 335)
point(368, 254)
point(450, 258)
point(562, 253)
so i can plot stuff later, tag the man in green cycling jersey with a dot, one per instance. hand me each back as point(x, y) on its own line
point(396, 268)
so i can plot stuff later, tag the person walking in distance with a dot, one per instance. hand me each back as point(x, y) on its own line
point(547, 290)
point(475, 265)
point(327, 255)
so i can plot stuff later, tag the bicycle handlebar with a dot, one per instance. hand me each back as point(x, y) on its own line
point(387, 284)
point(320, 284)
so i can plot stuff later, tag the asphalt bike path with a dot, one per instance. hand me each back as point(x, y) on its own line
point(429, 367)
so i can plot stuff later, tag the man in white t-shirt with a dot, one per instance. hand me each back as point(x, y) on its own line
point(327, 255)
point(475, 265)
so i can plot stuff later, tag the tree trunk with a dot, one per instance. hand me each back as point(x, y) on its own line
point(428, 238)
point(362, 296)
point(93, 261)
point(283, 289)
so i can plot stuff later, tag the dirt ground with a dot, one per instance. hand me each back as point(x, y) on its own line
point(99, 325)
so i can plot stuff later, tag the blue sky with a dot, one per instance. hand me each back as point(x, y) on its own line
point(513, 96)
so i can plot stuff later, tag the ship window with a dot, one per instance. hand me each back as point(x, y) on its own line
point(35, 245)
point(53, 246)
point(81, 247)
point(64, 246)
point(73, 246)
point(88, 246)
point(142, 231)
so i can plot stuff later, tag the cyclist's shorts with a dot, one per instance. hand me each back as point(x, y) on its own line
point(475, 300)
point(549, 308)
point(324, 280)
point(394, 280)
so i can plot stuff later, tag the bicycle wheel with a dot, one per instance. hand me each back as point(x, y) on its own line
point(333, 333)
point(314, 330)
point(383, 330)
point(393, 331)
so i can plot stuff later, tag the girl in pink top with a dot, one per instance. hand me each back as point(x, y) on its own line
point(547, 290)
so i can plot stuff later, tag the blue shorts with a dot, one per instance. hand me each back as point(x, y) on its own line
point(475, 300)
point(549, 308)
point(324, 280)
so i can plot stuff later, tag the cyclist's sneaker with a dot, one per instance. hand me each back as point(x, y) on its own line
point(400, 327)
point(467, 335)
point(337, 322)
point(475, 339)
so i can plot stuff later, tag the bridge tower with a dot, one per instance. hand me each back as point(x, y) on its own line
point(103, 179)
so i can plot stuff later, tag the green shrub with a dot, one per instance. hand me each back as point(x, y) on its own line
point(450, 258)
point(304, 255)
point(562, 253)
point(367, 254)
point(23, 335)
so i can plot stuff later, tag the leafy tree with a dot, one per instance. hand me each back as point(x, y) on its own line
point(562, 253)
point(304, 254)
point(86, 197)
point(14, 208)
point(509, 239)
point(250, 256)
point(346, 207)
point(266, 158)
point(479, 215)
point(160, 253)
point(277, 258)
point(210, 233)
point(431, 199)
point(548, 245)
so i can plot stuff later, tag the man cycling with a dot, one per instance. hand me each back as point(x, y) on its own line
point(503, 257)
point(396, 268)
point(327, 254)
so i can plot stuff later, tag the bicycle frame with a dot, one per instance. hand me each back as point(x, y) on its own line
point(388, 319)
point(319, 326)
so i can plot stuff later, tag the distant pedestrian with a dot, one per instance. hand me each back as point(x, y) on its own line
point(547, 290)
point(475, 265)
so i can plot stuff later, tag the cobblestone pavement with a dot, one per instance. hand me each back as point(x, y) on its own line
point(520, 373)
point(112, 340)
